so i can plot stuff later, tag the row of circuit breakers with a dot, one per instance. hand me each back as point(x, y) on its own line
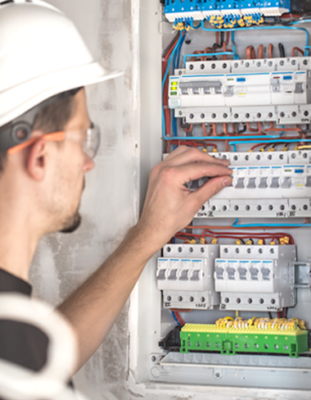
point(265, 185)
point(246, 278)
point(201, 9)
point(263, 90)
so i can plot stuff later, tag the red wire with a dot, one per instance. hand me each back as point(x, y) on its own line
point(236, 235)
point(297, 49)
point(192, 143)
point(181, 235)
point(290, 16)
point(180, 320)
point(165, 91)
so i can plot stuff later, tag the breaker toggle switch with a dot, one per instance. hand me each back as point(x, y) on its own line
point(287, 183)
point(251, 183)
point(195, 276)
point(275, 183)
point(184, 275)
point(263, 183)
point(161, 274)
point(173, 275)
point(240, 183)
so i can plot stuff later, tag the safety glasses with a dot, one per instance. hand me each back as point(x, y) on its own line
point(90, 141)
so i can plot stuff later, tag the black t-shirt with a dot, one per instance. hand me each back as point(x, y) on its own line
point(20, 343)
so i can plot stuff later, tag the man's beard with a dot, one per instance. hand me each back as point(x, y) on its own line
point(72, 224)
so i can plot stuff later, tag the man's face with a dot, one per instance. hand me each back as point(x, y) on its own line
point(71, 163)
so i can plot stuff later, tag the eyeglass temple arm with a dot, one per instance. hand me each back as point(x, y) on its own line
point(51, 137)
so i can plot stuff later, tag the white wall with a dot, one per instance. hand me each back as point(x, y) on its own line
point(109, 205)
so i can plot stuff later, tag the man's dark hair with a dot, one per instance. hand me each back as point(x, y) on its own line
point(2, 161)
point(52, 118)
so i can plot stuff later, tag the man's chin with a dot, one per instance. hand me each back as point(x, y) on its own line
point(72, 225)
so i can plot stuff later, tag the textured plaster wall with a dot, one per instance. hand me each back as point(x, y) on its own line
point(109, 205)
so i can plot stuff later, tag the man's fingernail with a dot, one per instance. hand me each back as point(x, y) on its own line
point(227, 182)
point(227, 162)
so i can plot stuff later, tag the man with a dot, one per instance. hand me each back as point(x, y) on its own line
point(47, 144)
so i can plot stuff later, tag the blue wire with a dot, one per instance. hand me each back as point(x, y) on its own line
point(179, 50)
point(175, 65)
point(230, 53)
point(236, 225)
point(176, 53)
point(165, 76)
point(267, 142)
point(300, 22)
point(260, 28)
point(174, 316)
point(192, 26)
point(233, 43)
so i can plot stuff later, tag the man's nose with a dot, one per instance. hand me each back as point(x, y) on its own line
point(88, 164)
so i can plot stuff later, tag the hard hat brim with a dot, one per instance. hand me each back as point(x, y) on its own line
point(48, 85)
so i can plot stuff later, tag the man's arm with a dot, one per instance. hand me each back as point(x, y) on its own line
point(169, 207)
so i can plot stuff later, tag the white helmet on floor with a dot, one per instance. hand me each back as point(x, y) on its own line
point(41, 54)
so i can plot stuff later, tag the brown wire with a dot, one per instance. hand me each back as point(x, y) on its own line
point(297, 49)
point(250, 53)
point(234, 227)
point(260, 51)
point(205, 131)
point(270, 50)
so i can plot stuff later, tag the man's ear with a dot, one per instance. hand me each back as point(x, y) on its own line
point(36, 163)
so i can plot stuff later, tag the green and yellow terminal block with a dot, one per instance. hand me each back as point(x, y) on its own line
point(228, 336)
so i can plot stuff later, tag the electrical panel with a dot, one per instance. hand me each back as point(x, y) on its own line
point(200, 9)
point(185, 274)
point(256, 278)
point(227, 301)
point(236, 91)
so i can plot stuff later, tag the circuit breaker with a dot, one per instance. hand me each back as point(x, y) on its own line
point(185, 274)
point(271, 90)
point(256, 278)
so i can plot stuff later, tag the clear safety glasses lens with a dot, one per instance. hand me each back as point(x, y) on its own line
point(92, 141)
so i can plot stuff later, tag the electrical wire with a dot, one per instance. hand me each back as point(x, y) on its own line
point(281, 50)
point(207, 232)
point(236, 224)
point(175, 318)
point(297, 49)
point(217, 227)
point(240, 29)
point(284, 140)
point(168, 61)
point(230, 53)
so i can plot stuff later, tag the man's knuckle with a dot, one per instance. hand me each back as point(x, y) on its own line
point(168, 173)
point(196, 203)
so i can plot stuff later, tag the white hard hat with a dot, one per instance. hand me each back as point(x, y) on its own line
point(41, 54)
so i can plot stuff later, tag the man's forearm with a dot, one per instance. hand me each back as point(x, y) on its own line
point(168, 208)
point(94, 307)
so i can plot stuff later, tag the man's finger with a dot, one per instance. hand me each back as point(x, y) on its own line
point(191, 172)
point(187, 155)
point(192, 155)
point(180, 149)
point(208, 190)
